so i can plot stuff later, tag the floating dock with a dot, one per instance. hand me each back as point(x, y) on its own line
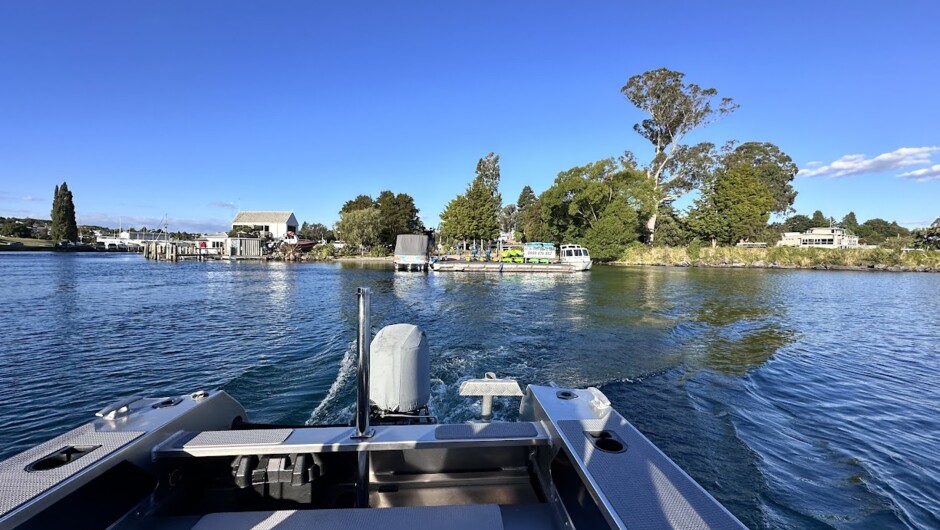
point(499, 267)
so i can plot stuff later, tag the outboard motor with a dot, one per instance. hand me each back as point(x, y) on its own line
point(399, 376)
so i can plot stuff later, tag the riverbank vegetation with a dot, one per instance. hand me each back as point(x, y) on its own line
point(614, 203)
point(698, 255)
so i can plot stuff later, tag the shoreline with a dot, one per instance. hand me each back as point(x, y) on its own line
point(878, 259)
point(757, 265)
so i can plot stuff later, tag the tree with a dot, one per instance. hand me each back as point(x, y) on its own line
point(454, 219)
point(397, 215)
point(526, 197)
point(609, 236)
point(819, 219)
point(671, 229)
point(507, 218)
point(675, 109)
point(359, 227)
point(597, 205)
point(475, 214)
point(928, 238)
point(316, 232)
point(530, 225)
point(11, 228)
point(359, 203)
point(876, 231)
point(581, 196)
point(849, 222)
point(774, 168)
point(734, 206)
point(797, 223)
point(55, 230)
point(63, 215)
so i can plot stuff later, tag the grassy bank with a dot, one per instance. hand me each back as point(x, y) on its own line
point(18, 243)
point(783, 257)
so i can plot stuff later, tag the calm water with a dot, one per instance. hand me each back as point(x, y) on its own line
point(800, 399)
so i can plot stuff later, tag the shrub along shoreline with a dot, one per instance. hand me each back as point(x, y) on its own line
point(878, 259)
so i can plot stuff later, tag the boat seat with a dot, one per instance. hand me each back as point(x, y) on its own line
point(470, 517)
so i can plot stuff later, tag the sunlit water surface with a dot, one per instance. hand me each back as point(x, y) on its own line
point(800, 399)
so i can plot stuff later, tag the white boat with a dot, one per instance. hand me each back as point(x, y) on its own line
point(412, 252)
point(576, 256)
point(195, 462)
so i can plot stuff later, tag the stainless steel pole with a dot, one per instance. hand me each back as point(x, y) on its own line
point(362, 371)
point(363, 432)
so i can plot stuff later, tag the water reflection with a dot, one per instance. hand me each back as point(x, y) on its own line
point(740, 321)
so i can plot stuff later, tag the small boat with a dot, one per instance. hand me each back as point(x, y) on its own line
point(576, 256)
point(302, 244)
point(195, 461)
point(412, 252)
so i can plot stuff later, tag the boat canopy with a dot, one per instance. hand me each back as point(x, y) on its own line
point(411, 245)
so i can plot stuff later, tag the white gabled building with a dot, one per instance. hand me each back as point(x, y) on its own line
point(272, 224)
point(821, 237)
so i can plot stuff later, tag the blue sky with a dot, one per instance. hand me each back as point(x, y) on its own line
point(193, 109)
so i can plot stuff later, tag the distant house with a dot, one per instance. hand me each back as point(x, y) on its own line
point(271, 224)
point(821, 237)
point(216, 240)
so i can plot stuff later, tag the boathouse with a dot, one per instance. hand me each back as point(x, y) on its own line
point(269, 224)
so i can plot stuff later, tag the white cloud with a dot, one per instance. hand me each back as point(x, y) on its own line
point(28, 198)
point(223, 204)
point(859, 164)
point(923, 175)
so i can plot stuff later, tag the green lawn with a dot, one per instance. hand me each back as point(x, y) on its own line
point(25, 244)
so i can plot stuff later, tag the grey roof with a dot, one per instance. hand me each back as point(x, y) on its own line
point(262, 217)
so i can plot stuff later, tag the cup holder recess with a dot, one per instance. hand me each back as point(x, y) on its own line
point(606, 441)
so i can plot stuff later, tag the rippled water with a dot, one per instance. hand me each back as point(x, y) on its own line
point(800, 399)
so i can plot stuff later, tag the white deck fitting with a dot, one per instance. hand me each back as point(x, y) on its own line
point(18, 486)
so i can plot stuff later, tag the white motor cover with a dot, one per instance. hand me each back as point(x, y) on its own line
point(399, 369)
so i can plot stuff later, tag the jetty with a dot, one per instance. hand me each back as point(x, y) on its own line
point(173, 251)
point(499, 267)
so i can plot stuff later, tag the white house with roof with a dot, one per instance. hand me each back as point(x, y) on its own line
point(273, 224)
point(820, 237)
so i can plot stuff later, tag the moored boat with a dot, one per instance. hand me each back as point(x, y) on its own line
point(576, 256)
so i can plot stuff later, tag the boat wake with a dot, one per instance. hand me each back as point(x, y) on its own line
point(347, 371)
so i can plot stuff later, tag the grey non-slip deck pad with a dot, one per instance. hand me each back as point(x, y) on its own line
point(485, 430)
point(644, 488)
point(18, 486)
point(471, 517)
point(249, 437)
